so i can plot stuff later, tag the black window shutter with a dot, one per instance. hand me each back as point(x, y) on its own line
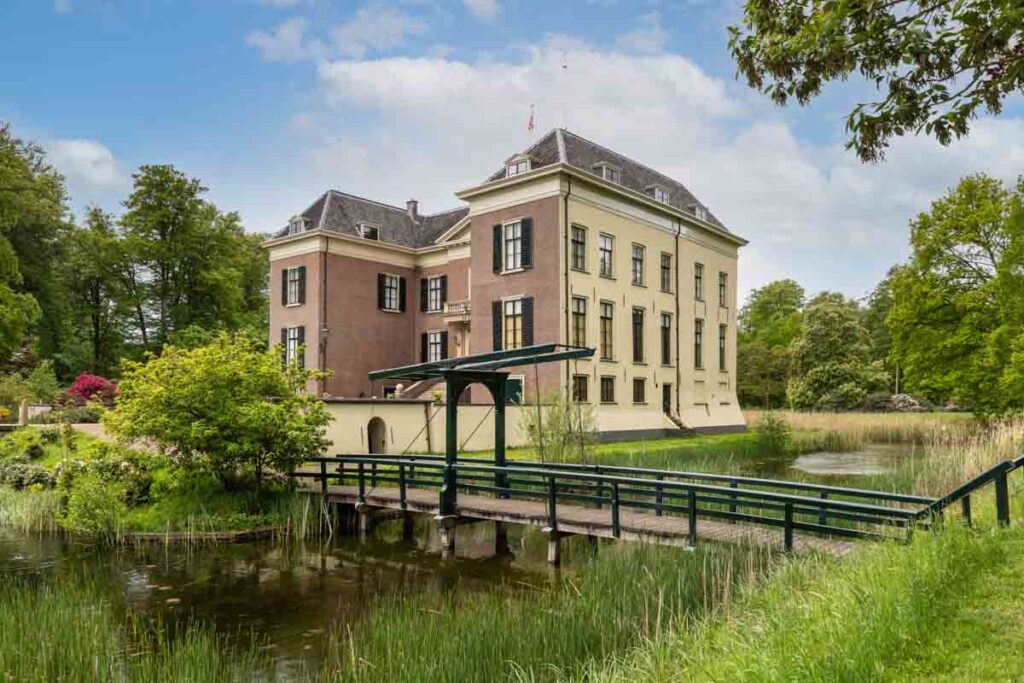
point(401, 294)
point(423, 294)
point(497, 248)
point(380, 291)
point(302, 284)
point(528, 321)
point(527, 257)
point(496, 324)
point(444, 345)
point(284, 344)
point(302, 351)
point(284, 287)
point(444, 290)
point(423, 347)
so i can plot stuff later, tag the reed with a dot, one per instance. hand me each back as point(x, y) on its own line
point(631, 593)
point(852, 431)
point(29, 511)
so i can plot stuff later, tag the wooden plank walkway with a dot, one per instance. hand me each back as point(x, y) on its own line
point(573, 519)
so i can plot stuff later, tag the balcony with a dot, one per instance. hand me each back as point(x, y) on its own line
point(456, 310)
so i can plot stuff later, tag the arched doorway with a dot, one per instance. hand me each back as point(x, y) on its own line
point(377, 436)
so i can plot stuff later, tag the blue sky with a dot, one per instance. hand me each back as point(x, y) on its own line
point(270, 102)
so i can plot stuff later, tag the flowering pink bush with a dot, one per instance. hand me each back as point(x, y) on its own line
point(88, 387)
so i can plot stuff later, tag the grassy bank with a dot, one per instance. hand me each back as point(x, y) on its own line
point(58, 629)
point(632, 592)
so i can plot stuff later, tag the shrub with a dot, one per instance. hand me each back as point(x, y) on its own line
point(88, 387)
point(73, 414)
point(773, 433)
point(26, 445)
point(93, 507)
point(131, 471)
point(565, 431)
point(23, 475)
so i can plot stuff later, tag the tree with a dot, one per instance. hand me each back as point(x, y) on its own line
point(768, 323)
point(938, 62)
point(230, 406)
point(18, 311)
point(957, 320)
point(831, 367)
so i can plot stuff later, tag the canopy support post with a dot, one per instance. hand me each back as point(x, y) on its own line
point(497, 388)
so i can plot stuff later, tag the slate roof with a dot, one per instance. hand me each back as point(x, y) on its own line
point(561, 145)
point(343, 213)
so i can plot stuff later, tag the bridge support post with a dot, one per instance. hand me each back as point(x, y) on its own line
point(554, 547)
point(501, 547)
point(365, 521)
point(408, 527)
point(592, 546)
point(446, 527)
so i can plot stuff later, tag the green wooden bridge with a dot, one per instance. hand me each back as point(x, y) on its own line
point(602, 501)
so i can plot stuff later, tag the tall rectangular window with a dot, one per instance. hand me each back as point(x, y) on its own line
point(579, 321)
point(579, 388)
point(293, 346)
point(513, 321)
point(721, 347)
point(391, 291)
point(639, 390)
point(698, 343)
point(666, 272)
point(514, 246)
point(434, 298)
point(698, 281)
point(666, 339)
point(638, 335)
point(607, 389)
point(294, 283)
point(723, 286)
point(434, 342)
point(607, 315)
point(638, 264)
point(579, 248)
point(605, 244)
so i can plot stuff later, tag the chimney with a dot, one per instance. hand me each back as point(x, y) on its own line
point(412, 208)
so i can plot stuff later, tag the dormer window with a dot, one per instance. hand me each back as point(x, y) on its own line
point(517, 167)
point(609, 173)
point(296, 225)
point(369, 232)
point(660, 194)
point(699, 211)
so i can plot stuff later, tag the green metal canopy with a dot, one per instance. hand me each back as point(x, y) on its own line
point(487, 369)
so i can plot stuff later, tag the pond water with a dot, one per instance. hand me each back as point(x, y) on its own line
point(827, 467)
point(291, 595)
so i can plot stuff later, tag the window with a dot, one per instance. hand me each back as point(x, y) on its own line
point(514, 390)
point(293, 341)
point(639, 390)
point(607, 389)
point(434, 347)
point(721, 347)
point(579, 388)
point(660, 194)
point(369, 232)
point(638, 264)
point(607, 315)
point(666, 339)
point(605, 244)
point(638, 335)
point(517, 167)
point(609, 173)
point(294, 286)
point(513, 324)
point(513, 246)
point(699, 211)
point(723, 286)
point(435, 300)
point(666, 272)
point(391, 292)
point(698, 281)
point(296, 225)
point(579, 248)
point(698, 343)
point(579, 321)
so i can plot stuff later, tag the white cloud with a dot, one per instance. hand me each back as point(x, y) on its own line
point(88, 166)
point(397, 127)
point(62, 6)
point(280, 3)
point(286, 43)
point(647, 39)
point(376, 27)
point(483, 9)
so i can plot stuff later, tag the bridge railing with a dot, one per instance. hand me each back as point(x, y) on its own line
point(829, 511)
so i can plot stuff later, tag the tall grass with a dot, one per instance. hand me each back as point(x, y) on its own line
point(29, 511)
point(633, 592)
point(821, 619)
point(852, 431)
point(59, 629)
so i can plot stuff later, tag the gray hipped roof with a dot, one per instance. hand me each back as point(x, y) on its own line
point(561, 145)
point(344, 213)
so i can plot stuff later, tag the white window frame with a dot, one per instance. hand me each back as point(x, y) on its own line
point(611, 255)
point(573, 245)
point(365, 229)
point(296, 225)
point(293, 284)
point(434, 350)
point(512, 246)
point(291, 345)
point(579, 310)
point(389, 279)
point(517, 167)
point(511, 310)
point(434, 302)
point(661, 195)
point(637, 274)
point(610, 173)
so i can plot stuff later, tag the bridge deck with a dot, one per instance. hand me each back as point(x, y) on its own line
point(574, 519)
